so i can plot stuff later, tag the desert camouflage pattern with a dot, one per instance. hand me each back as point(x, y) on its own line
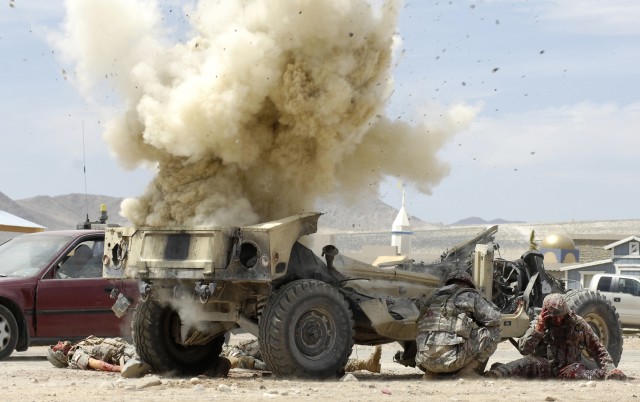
point(245, 355)
point(111, 350)
point(555, 305)
point(562, 347)
point(456, 326)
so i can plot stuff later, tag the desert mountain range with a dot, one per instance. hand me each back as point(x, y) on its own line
point(65, 211)
point(352, 226)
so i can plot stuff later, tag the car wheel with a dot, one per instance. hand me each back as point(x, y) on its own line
point(306, 330)
point(602, 317)
point(155, 327)
point(8, 332)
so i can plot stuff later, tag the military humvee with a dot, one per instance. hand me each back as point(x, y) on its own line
point(198, 283)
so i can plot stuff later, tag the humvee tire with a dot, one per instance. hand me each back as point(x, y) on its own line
point(602, 316)
point(154, 328)
point(306, 330)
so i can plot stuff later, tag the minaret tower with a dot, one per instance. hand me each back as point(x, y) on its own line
point(401, 231)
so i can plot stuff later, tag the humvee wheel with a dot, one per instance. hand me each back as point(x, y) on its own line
point(155, 327)
point(603, 319)
point(306, 330)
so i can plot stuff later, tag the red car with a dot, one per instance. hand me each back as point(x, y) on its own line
point(51, 289)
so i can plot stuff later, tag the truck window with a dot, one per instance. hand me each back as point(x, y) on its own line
point(628, 286)
point(604, 284)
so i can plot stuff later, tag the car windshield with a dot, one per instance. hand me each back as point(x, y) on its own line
point(25, 255)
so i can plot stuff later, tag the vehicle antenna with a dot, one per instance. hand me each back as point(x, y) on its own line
point(84, 169)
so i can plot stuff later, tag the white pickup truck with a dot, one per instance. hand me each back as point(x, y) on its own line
point(624, 292)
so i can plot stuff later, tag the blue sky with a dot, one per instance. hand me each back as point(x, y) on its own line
point(555, 83)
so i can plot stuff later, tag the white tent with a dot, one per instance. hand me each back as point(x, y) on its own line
point(12, 223)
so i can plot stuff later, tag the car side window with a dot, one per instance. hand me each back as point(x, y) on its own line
point(84, 261)
point(635, 289)
point(628, 286)
point(604, 284)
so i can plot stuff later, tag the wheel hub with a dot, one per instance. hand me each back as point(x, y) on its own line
point(5, 333)
point(313, 333)
point(599, 327)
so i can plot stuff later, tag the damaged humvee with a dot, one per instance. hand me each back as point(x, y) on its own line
point(198, 283)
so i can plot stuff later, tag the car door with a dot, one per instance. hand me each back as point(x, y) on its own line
point(626, 299)
point(79, 304)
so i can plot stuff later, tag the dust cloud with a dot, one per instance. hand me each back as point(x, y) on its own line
point(261, 107)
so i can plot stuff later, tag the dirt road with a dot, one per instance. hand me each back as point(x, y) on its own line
point(28, 376)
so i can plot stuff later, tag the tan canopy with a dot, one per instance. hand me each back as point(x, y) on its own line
point(12, 223)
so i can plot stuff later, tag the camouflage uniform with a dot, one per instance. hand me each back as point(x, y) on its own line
point(562, 345)
point(456, 327)
point(245, 355)
point(110, 350)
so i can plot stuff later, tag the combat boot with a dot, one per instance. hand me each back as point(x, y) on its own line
point(135, 368)
point(233, 361)
point(470, 370)
point(429, 375)
point(260, 365)
point(373, 364)
point(246, 362)
point(408, 360)
point(492, 374)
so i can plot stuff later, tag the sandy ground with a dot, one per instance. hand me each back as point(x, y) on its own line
point(28, 376)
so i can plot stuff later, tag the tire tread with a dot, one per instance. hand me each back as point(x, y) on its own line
point(585, 301)
point(272, 331)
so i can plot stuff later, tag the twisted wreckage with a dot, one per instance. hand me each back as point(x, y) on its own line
point(197, 283)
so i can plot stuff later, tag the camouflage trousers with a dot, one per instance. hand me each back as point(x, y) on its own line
point(246, 355)
point(246, 348)
point(451, 358)
point(539, 367)
point(111, 350)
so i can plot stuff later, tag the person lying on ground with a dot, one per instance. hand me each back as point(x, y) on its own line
point(246, 355)
point(95, 353)
point(116, 355)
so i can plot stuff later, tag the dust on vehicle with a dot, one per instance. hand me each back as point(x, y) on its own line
point(197, 283)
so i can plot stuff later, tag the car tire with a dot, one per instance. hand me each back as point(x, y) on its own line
point(603, 318)
point(154, 326)
point(8, 332)
point(306, 330)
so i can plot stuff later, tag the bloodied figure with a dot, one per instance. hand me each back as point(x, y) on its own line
point(112, 354)
point(102, 354)
point(560, 336)
point(458, 330)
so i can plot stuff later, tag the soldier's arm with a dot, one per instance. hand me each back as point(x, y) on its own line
point(483, 312)
point(529, 341)
point(101, 365)
point(486, 313)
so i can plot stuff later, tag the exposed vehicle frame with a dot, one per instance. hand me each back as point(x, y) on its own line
point(198, 283)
